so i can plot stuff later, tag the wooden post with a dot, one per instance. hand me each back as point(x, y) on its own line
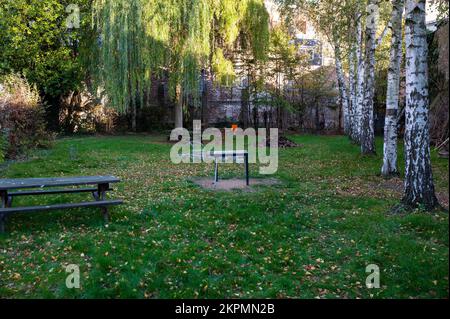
point(3, 204)
point(9, 202)
point(101, 195)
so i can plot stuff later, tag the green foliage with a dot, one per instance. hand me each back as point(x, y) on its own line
point(283, 50)
point(36, 43)
point(119, 53)
point(442, 8)
point(223, 68)
point(145, 39)
point(256, 29)
point(229, 15)
point(319, 85)
point(335, 20)
point(285, 59)
point(284, 66)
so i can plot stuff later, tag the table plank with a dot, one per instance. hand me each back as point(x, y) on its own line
point(20, 183)
point(30, 209)
point(228, 153)
point(54, 191)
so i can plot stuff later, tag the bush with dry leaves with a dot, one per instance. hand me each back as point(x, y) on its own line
point(22, 117)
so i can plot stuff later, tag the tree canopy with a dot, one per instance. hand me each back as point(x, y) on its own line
point(139, 40)
point(36, 43)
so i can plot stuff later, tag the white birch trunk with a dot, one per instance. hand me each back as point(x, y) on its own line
point(419, 187)
point(342, 88)
point(359, 83)
point(351, 91)
point(392, 96)
point(367, 129)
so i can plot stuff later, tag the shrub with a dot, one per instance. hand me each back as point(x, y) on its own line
point(81, 113)
point(2, 146)
point(22, 117)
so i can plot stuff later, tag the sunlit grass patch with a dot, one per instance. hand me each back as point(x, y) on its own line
point(311, 235)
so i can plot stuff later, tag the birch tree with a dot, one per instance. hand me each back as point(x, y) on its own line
point(351, 91)
point(331, 19)
point(392, 96)
point(359, 78)
point(419, 186)
point(367, 129)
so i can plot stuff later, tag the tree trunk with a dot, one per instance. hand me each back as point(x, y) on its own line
point(342, 88)
point(204, 111)
point(317, 116)
point(392, 96)
point(179, 108)
point(133, 116)
point(244, 116)
point(255, 118)
point(367, 129)
point(419, 187)
point(359, 82)
point(351, 91)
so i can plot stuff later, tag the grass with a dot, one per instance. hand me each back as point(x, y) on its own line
point(310, 236)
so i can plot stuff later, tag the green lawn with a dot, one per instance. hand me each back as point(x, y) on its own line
point(310, 236)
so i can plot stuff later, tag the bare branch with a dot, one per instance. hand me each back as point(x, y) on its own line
point(385, 32)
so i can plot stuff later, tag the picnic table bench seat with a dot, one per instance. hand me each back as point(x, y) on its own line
point(96, 185)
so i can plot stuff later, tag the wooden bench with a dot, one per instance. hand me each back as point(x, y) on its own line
point(11, 188)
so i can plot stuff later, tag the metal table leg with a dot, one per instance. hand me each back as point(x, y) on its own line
point(216, 171)
point(247, 177)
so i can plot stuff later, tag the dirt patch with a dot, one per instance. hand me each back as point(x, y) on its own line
point(233, 184)
point(443, 199)
point(284, 142)
point(381, 188)
point(396, 185)
point(393, 184)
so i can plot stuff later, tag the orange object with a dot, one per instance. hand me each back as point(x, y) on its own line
point(234, 127)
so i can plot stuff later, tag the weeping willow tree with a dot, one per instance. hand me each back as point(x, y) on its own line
point(140, 40)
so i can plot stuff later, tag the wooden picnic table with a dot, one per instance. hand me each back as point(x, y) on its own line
point(11, 188)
